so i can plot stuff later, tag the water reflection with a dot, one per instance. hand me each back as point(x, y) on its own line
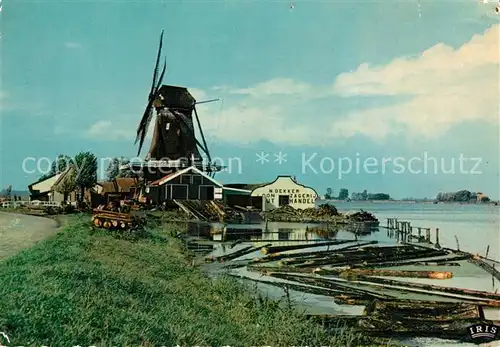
point(284, 233)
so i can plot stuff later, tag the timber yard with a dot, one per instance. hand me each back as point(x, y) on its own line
point(379, 278)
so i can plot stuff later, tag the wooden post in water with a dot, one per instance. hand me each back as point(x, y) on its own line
point(428, 235)
point(458, 243)
point(437, 238)
point(487, 251)
point(419, 234)
point(410, 231)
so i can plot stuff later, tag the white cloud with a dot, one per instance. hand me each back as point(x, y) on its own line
point(446, 86)
point(73, 45)
point(281, 86)
point(441, 87)
point(198, 94)
point(107, 130)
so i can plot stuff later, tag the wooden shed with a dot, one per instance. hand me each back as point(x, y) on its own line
point(187, 184)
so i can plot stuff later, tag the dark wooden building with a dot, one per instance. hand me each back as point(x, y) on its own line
point(119, 189)
point(187, 184)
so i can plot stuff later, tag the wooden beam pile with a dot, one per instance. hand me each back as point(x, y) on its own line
point(401, 318)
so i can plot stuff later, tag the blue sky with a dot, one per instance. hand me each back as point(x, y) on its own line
point(340, 79)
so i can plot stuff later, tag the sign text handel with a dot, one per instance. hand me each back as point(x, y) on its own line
point(296, 196)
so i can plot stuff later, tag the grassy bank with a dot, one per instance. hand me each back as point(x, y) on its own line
point(83, 288)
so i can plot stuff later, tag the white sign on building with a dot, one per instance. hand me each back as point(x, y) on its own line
point(285, 191)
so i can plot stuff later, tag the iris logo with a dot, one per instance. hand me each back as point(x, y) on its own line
point(480, 333)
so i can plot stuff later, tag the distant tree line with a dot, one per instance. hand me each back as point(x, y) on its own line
point(462, 196)
point(369, 196)
point(344, 195)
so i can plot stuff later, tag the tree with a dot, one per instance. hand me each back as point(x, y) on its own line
point(113, 171)
point(343, 194)
point(8, 192)
point(86, 172)
point(67, 185)
point(59, 165)
point(364, 195)
point(328, 194)
point(379, 196)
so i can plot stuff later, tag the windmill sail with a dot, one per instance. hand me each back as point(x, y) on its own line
point(174, 135)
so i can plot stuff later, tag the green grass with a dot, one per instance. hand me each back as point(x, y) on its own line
point(90, 288)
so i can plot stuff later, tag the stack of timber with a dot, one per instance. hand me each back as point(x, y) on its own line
point(226, 214)
point(209, 211)
point(115, 220)
point(402, 318)
point(362, 216)
point(323, 213)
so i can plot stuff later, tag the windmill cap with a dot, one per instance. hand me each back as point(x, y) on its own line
point(176, 97)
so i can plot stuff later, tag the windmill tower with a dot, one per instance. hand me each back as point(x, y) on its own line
point(174, 145)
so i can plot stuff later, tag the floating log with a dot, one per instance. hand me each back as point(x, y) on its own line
point(276, 249)
point(324, 283)
point(279, 256)
point(284, 269)
point(237, 254)
point(464, 295)
point(339, 296)
point(395, 273)
point(361, 253)
point(432, 289)
point(369, 260)
point(352, 273)
point(418, 261)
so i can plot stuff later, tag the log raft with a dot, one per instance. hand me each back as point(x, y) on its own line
point(402, 318)
point(354, 273)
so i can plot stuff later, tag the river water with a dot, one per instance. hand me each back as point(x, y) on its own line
point(475, 226)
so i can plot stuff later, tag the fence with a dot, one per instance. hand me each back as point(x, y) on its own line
point(404, 232)
point(15, 204)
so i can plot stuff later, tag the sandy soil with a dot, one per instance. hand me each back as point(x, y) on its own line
point(18, 231)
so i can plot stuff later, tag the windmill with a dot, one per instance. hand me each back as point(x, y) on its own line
point(174, 144)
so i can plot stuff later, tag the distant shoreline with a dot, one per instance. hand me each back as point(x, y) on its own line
point(428, 202)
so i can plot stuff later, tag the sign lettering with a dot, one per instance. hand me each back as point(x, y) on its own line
point(297, 196)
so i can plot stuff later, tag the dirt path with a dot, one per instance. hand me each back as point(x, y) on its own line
point(19, 231)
